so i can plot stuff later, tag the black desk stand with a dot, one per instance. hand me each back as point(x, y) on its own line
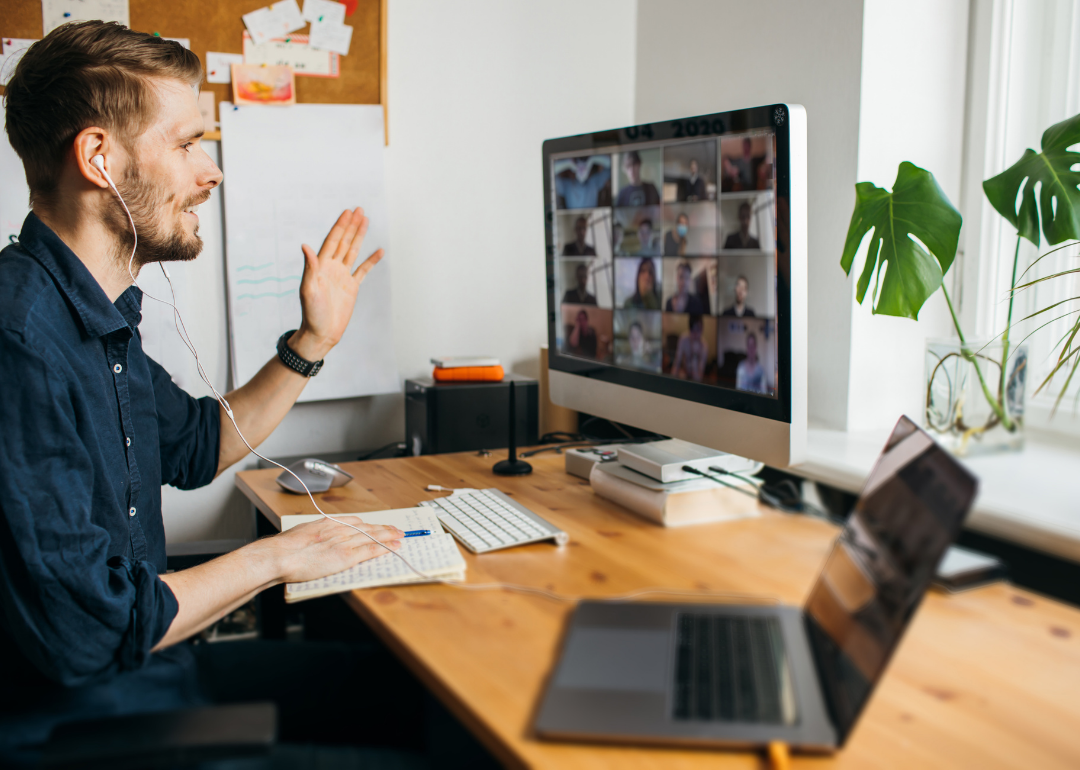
point(512, 466)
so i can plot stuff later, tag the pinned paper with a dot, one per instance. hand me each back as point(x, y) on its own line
point(324, 10)
point(274, 21)
point(293, 50)
point(57, 12)
point(11, 51)
point(206, 109)
point(329, 36)
point(218, 66)
point(261, 84)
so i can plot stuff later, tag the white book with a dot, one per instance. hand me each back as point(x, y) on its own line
point(436, 555)
point(456, 362)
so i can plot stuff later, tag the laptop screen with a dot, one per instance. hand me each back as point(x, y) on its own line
point(910, 511)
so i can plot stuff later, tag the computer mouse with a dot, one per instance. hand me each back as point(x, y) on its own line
point(318, 475)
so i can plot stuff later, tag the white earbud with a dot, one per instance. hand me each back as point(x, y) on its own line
point(98, 162)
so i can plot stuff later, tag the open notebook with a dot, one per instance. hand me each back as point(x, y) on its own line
point(436, 555)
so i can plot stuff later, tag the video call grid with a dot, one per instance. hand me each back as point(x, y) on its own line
point(659, 248)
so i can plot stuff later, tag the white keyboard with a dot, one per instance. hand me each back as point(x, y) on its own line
point(487, 520)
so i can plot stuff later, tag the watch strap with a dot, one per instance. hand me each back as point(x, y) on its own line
point(296, 362)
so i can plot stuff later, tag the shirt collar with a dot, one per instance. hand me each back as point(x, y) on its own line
point(97, 314)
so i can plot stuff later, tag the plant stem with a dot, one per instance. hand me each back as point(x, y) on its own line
point(1008, 321)
point(968, 356)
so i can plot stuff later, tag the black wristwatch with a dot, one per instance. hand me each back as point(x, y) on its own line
point(293, 361)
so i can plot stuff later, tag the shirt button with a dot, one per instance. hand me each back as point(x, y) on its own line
point(128, 440)
point(118, 368)
point(131, 512)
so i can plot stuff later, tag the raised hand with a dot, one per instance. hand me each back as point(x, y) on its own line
point(329, 285)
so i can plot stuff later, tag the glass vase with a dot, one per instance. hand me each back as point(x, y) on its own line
point(971, 409)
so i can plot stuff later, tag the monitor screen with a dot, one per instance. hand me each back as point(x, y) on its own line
point(667, 258)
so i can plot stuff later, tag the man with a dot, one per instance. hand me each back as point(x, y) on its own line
point(741, 169)
point(586, 186)
point(578, 247)
point(695, 185)
point(742, 239)
point(676, 239)
point(749, 374)
point(90, 624)
point(636, 193)
point(579, 295)
point(683, 301)
point(582, 338)
point(648, 243)
point(740, 308)
point(689, 361)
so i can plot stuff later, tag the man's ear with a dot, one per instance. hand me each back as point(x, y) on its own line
point(91, 142)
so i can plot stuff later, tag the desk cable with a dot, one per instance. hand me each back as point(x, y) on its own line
point(181, 330)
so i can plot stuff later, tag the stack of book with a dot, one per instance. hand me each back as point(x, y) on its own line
point(692, 499)
point(467, 369)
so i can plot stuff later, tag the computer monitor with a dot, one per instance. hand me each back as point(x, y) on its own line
point(676, 266)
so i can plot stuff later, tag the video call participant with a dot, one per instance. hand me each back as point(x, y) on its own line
point(749, 374)
point(637, 193)
point(91, 625)
point(743, 239)
point(645, 296)
point(579, 295)
point(641, 357)
point(582, 338)
point(689, 362)
point(578, 247)
point(741, 169)
point(683, 301)
point(740, 308)
point(695, 185)
point(648, 243)
point(585, 187)
point(675, 241)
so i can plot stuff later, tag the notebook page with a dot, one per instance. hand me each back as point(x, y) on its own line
point(403, 518)
point(435, 555)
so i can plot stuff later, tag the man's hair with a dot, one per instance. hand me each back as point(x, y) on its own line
point(84, 74)
point(645, 222)
point(683, 265)
point(632, 157)
point(745, 207)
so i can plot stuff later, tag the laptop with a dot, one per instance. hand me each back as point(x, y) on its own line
point(742, 676)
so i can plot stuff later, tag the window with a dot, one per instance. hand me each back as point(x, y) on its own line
point(1024, 76)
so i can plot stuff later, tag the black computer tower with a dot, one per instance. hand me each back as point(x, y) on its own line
point(468, 416)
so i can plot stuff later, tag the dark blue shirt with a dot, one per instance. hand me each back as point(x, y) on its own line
point(90, 428)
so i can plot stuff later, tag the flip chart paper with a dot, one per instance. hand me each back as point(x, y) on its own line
point(291, 172)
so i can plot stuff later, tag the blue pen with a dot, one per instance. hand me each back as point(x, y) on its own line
point(418, 532)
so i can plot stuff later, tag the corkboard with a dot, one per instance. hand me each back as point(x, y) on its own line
point(217, 26)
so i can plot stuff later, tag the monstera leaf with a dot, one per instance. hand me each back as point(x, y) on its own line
point(915, 207)
point(1053, 168)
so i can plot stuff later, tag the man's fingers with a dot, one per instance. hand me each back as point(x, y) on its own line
point(350, 244)
point(371, 550)
point(368, 263)
point(333, 238)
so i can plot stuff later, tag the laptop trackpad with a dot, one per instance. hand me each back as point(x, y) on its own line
point(615, 659)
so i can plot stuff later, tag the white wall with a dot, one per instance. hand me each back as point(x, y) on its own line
point(475, 87)
point(914, 64)
point(702, 56)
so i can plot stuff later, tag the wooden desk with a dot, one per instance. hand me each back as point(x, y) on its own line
point(985, 679)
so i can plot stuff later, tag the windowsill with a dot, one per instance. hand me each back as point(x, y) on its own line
point(1030, 497)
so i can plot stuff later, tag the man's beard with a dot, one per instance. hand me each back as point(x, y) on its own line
point(146, 202)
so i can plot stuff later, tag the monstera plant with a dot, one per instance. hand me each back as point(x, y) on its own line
point(915, 232)
point(1059, 209)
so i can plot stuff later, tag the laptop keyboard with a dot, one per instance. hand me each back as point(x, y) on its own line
point(730, 669)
